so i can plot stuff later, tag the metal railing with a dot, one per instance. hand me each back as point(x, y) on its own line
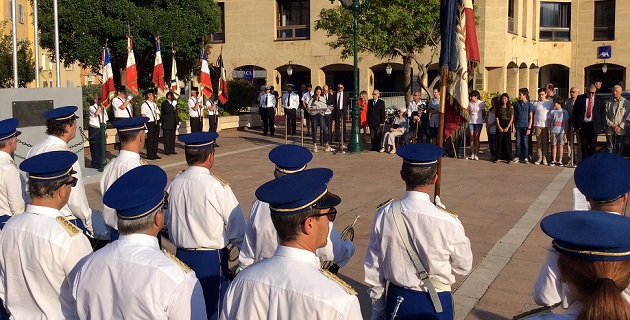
point(555, 34)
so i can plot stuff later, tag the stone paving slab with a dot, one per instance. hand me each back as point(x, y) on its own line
point(489, 198)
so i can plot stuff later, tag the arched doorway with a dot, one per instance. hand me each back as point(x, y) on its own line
point(512, 71)
point(556, 74)
point(614, 75)
point(389, 83)
point(340, 73)
point(299, 75)
point(257, 75)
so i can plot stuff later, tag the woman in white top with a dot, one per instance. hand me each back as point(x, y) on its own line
point(398, 128)
point(476, 110)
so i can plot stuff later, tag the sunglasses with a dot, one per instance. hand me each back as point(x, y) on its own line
point(591, 93)
point(72, 183)
point(339, 88)
point(331, 214)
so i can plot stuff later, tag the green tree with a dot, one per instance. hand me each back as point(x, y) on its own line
point(388, 28)
point(26, 64)
point(86, 25)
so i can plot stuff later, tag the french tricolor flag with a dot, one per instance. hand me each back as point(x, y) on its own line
point(158, 68)
point(131, 73)
point(107, 77)
point(223, 90)
point(204, 78)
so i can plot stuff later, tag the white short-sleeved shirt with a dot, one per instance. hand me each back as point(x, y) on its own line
point(437, 235)
point(212, 107)
point(291, 101)
point(288, 285)
point(12, 187)
point(96, 119)
point(150, 110)
point(476, 110)
point(540, 113)
point(121, 113)
point(192, 101)
point(131, 278)
point(203, 211)
point(37, 254)
point(261, 240)
point(124, 162)
point(78, 206)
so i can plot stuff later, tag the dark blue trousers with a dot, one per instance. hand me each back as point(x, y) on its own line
point(211, 268)
point(3, 220)
point(417, 304)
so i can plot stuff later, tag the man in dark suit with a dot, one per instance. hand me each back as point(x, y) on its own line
point(588, 115)
point(170, 119)
point(376, 119)
point(341, 103)
point(330, 101)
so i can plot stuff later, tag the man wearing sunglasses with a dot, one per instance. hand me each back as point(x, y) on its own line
point(291, 284)
point(61, 128)
point(261, 239)
point(588, 117)
point(438, 242)
point(40, 247)
point(131, 277)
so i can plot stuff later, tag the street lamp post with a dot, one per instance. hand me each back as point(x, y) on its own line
point(356, 143)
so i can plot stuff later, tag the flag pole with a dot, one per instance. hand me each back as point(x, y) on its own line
point(440, 135)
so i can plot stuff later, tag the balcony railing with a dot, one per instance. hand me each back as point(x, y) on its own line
point(555, 34)
point(604, 33)
point(296, 32)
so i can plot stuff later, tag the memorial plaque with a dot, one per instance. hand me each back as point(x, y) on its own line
point(29, 113)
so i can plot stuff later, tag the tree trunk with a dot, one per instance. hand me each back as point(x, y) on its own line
point(407, 72)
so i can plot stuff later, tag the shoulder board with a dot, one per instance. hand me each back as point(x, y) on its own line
point(143, 163)
point(221, 180)
point(345, 286)
point(385, 203)
point(448, 211)
point(15, 165)
point(180, 263)
point(68, 226)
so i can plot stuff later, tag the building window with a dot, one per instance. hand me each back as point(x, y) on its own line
point(604, 20)
point(10, 10)
point(20, 13)
point(511, 14)
point(294, 18)
point(555, 21)
point(219, 36)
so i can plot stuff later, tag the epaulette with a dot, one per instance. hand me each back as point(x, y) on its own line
point(448, 211)
point(385, 203)
point(15, 165)
point(143, 163)
point(345, 286)
point(68, 226)
point(221, 180)
point(175, 259)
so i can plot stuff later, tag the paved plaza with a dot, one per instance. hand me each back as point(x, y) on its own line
point(499, 205)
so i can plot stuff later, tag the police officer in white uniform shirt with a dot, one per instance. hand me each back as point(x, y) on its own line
point(131, 136)
point(131, 278)
point(261, 238)
point(291, 102)
point(437, 237)
point(291, 284)
point(61, 127)
point(12, 184)
point(268, 111)
point(98, 115)
point(195, 110)
point(604, 179)
point(213, 115)
point(204, 217)
point(150, 110)
point(122, 105)
point(39, 247)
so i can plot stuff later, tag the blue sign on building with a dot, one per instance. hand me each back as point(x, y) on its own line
point(604, 52)
point(248, 73)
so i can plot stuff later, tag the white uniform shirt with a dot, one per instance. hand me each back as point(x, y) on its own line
point(150, 110)
point(203, 212)
point(78, 206)
point(438, 236)
point(306, 97)
point(132, 279)
point(36, 256)
point(268, 101)
point(192, 102)
point(125, 161)
point(12, 192)
point(261, 240)
point(289, 285)
point(121, 113)
point(292, 102)
point(96, 119)
point(212, 107)
point(550, 288)
point(414, 107)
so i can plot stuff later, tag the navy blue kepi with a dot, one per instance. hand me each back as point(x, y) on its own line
point(137, 193)
point(133, 124)
point(604, 176)
point(290, 158)
point(8, 128)
point(49, 166)
point(199, 140)
point(420, 154)
point(61, 113)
